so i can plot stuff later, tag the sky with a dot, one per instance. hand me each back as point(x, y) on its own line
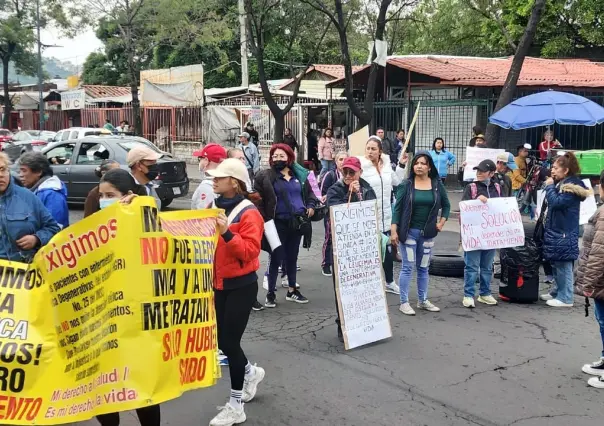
point(73, 50)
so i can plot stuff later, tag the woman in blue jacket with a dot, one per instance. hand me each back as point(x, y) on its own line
point(442, 158)
point(563, 195)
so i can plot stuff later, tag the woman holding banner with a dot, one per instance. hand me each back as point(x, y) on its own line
point(236, 283)
point(415, 224)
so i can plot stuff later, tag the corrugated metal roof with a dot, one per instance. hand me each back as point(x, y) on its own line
point(97, 91)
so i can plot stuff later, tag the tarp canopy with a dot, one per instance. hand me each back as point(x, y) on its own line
point(173, 94)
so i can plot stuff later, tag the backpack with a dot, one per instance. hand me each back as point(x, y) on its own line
point(474, 190)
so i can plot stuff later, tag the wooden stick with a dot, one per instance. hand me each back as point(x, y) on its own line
point(408, 138)
point(349, 197)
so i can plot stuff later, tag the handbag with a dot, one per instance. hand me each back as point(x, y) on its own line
point(320, 213)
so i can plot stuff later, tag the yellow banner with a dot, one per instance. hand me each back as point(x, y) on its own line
point(115, 313)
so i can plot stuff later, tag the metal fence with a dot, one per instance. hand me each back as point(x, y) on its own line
point(97, 116)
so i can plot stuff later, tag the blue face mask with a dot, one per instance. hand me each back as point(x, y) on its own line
point(106, 202)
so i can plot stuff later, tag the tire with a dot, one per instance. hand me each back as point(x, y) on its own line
point(529, 229)
point(166, 202)
point(447, 265)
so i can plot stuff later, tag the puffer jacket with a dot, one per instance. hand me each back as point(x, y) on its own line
point(53, 194)
point(590, 272)
point(383, 183)
point(561, 237)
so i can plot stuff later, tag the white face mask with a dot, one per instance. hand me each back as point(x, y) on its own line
point(106, 202)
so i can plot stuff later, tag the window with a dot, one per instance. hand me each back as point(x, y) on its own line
point(131, 144)
point(74, 134)
point(92, 153)
point(61, 154)
point(65, 136)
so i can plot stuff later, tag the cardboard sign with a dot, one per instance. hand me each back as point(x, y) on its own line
point(474, 156)
point(357, 141)
point(73, 99)
point(492, 225)
point(588, 206)
point(358, 271)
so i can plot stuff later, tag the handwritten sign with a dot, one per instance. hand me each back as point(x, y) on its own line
point(588, 206)
point(358, 269)
point(314, 185)
point(492, 225)
point(474, 156)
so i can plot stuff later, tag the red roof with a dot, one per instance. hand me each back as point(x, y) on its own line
point(335, 71)
point(492, 72)
point(96, 91)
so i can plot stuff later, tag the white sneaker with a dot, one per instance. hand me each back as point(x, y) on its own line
point(265, 283)
point(229, 416)
point(426, 305)
point(251, 382)
point(545, 297)
point(555, 303)
point(468, 302)
point(596, 382)
point(487, 300)
point(392, 288)
point(406, 309)
point(285, 283)
point(595, 368)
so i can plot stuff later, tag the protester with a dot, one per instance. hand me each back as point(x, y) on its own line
point(91, 205)
point(349, 188)
point(210, 156)
point(505, 166)
point(520, 173)
point(124, 127)
point(480, 141)
point(290, 140)
point(377, 171)
point(549, 143)
point(108, 125)
point(250, 153)
point(476, 130)
point(398, 144)
point(479, 263)
point(387, 145)
point(253, 137)
point(329, 179)
point(564, 192)
point(442, 158)
point(590, 281)
point(326, 151)
point(118, 185)
point(37, 175)
point(288, 199)
point(415, 224)
point(142, 161)
point(236, 283)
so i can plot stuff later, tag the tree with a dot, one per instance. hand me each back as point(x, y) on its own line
point(98, 69)
point(509, 87)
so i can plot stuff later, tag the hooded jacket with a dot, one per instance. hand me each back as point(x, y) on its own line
point(338, 193)
point(53, 194)
point(561, 237)
point(590, 273)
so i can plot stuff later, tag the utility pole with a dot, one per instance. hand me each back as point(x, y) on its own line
point(40, 76)
point(243, 40)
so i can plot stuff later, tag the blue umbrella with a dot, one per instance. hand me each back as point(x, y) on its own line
point(546, 108)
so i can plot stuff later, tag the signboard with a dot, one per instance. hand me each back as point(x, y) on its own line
point(73, 99)
point(588, 206)
point(358, 270)
point(357, 141)
point(492, 225)
point(474, 156)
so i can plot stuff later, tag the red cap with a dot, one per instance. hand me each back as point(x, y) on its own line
point(213, 152)
point(352, 163)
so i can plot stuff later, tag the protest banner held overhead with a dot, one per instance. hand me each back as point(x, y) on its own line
point(115, 313)
point(492, 225)
point(474, 156)
point(358, 270)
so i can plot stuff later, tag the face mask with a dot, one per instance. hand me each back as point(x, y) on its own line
point(106, 202)
point(153, 171)
point(279, 165)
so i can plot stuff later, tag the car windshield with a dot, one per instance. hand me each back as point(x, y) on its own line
point(48, 135)
point(128, 145)
point(32, 132)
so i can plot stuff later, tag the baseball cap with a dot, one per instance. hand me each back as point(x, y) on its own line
point(231, 167)
point(212, 151)
point(508, 159)
point(486, 166)
point(244, 134)
point(352, 163)
point(140, 153)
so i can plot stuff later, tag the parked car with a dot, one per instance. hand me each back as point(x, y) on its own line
point(5, 136)
point(74, 162)
point(73, 133)
point(26, 140)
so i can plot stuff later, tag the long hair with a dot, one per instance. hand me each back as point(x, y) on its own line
point(291, 157)
point(323, 135)
point(123, 182)
point(433, 174)
point(434, 144)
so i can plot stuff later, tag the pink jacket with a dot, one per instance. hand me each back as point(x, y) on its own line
point(326, 149)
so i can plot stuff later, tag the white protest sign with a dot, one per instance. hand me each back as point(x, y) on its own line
point(474, 156)
point(492, 225)
point(358, 270)
point(73, 99)
point(588, 206)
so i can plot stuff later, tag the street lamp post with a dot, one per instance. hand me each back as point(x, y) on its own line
point(40, 76)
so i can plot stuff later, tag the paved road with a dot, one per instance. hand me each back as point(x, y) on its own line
point(504, 365)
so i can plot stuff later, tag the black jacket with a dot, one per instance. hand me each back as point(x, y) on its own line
point(290, 141)
point(505, 183)
point(481, 189)
point(338, 193)
point(254, 138)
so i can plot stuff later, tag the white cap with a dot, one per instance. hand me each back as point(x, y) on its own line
point(231, 167)
point(140, 153)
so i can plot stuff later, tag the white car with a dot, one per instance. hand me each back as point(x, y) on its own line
point(77, 133)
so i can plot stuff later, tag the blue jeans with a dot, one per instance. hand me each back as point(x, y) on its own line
point(478, 262)
point(599, 311)
point(563, 281)
point(416, 252)
point(326, 166)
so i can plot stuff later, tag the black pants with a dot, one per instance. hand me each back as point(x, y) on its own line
point(388, 263)
point(232, 314)
point(547, 268)
point(335, 295)
point(147, 416)
point(287, 255)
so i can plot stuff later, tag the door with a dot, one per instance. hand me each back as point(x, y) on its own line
point(82, 174)
point(60, 157)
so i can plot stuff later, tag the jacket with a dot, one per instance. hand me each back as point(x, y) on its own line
point(442, 161)
point(329, 179)
point(561, 236)
point(53, 194)
point(251, 156)
point(254, 137)
point(92, 205)
point(519, 175)
point(403, 208)
point(590, 272)
point(22, 213)
point(326, 149)
point(238, 250)
point(263, 184)
point(338, 193)
point(290, 141)
point(505, 182)
point(382, 185)
point(481, 189)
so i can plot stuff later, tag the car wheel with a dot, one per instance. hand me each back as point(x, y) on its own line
point(166, 202)
point(447, 265)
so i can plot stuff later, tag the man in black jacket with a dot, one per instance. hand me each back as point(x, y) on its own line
point(351, 188)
